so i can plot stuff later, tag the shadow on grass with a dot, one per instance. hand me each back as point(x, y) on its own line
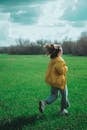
point(19, 122)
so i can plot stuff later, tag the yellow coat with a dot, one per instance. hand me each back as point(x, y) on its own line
point(56, 73)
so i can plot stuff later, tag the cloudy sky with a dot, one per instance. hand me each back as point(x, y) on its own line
point(41, 19)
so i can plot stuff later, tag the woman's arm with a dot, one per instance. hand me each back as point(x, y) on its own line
point(61, 68)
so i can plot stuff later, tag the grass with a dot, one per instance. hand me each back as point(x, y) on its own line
point(22, 86)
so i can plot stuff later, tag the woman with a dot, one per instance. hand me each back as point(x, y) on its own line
point(56, 78)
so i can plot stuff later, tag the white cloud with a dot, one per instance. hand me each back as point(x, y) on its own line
point(34, 5)
point(75, 4)
point(4, 16)
point(50, 26)
point(5, 28)
point(51, 12)
point(25, 8)
point(45, 32)
point(20, 12)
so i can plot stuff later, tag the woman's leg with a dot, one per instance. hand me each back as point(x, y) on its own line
point(64, 99)
point(53, 95)
point(50, 99)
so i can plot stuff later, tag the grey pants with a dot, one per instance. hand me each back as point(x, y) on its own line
point(54, 94)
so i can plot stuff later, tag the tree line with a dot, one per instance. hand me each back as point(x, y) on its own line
point(25, 47)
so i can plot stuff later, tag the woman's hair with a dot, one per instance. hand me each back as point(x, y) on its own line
point(53, 50)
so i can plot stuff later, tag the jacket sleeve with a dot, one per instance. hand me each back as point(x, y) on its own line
point(61, 68)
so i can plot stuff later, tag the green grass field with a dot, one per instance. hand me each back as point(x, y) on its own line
point(22, 86)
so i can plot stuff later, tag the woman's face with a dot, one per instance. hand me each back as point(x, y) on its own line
point(60, 52)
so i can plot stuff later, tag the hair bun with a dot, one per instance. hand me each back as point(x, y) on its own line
point(53, 49)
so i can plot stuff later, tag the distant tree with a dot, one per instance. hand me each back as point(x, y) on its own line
point(24, 46)
point(3, 50)
point(22, 42)
point(84, 34)
point(82, 45)
point(56, 42)
point(67, 47)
